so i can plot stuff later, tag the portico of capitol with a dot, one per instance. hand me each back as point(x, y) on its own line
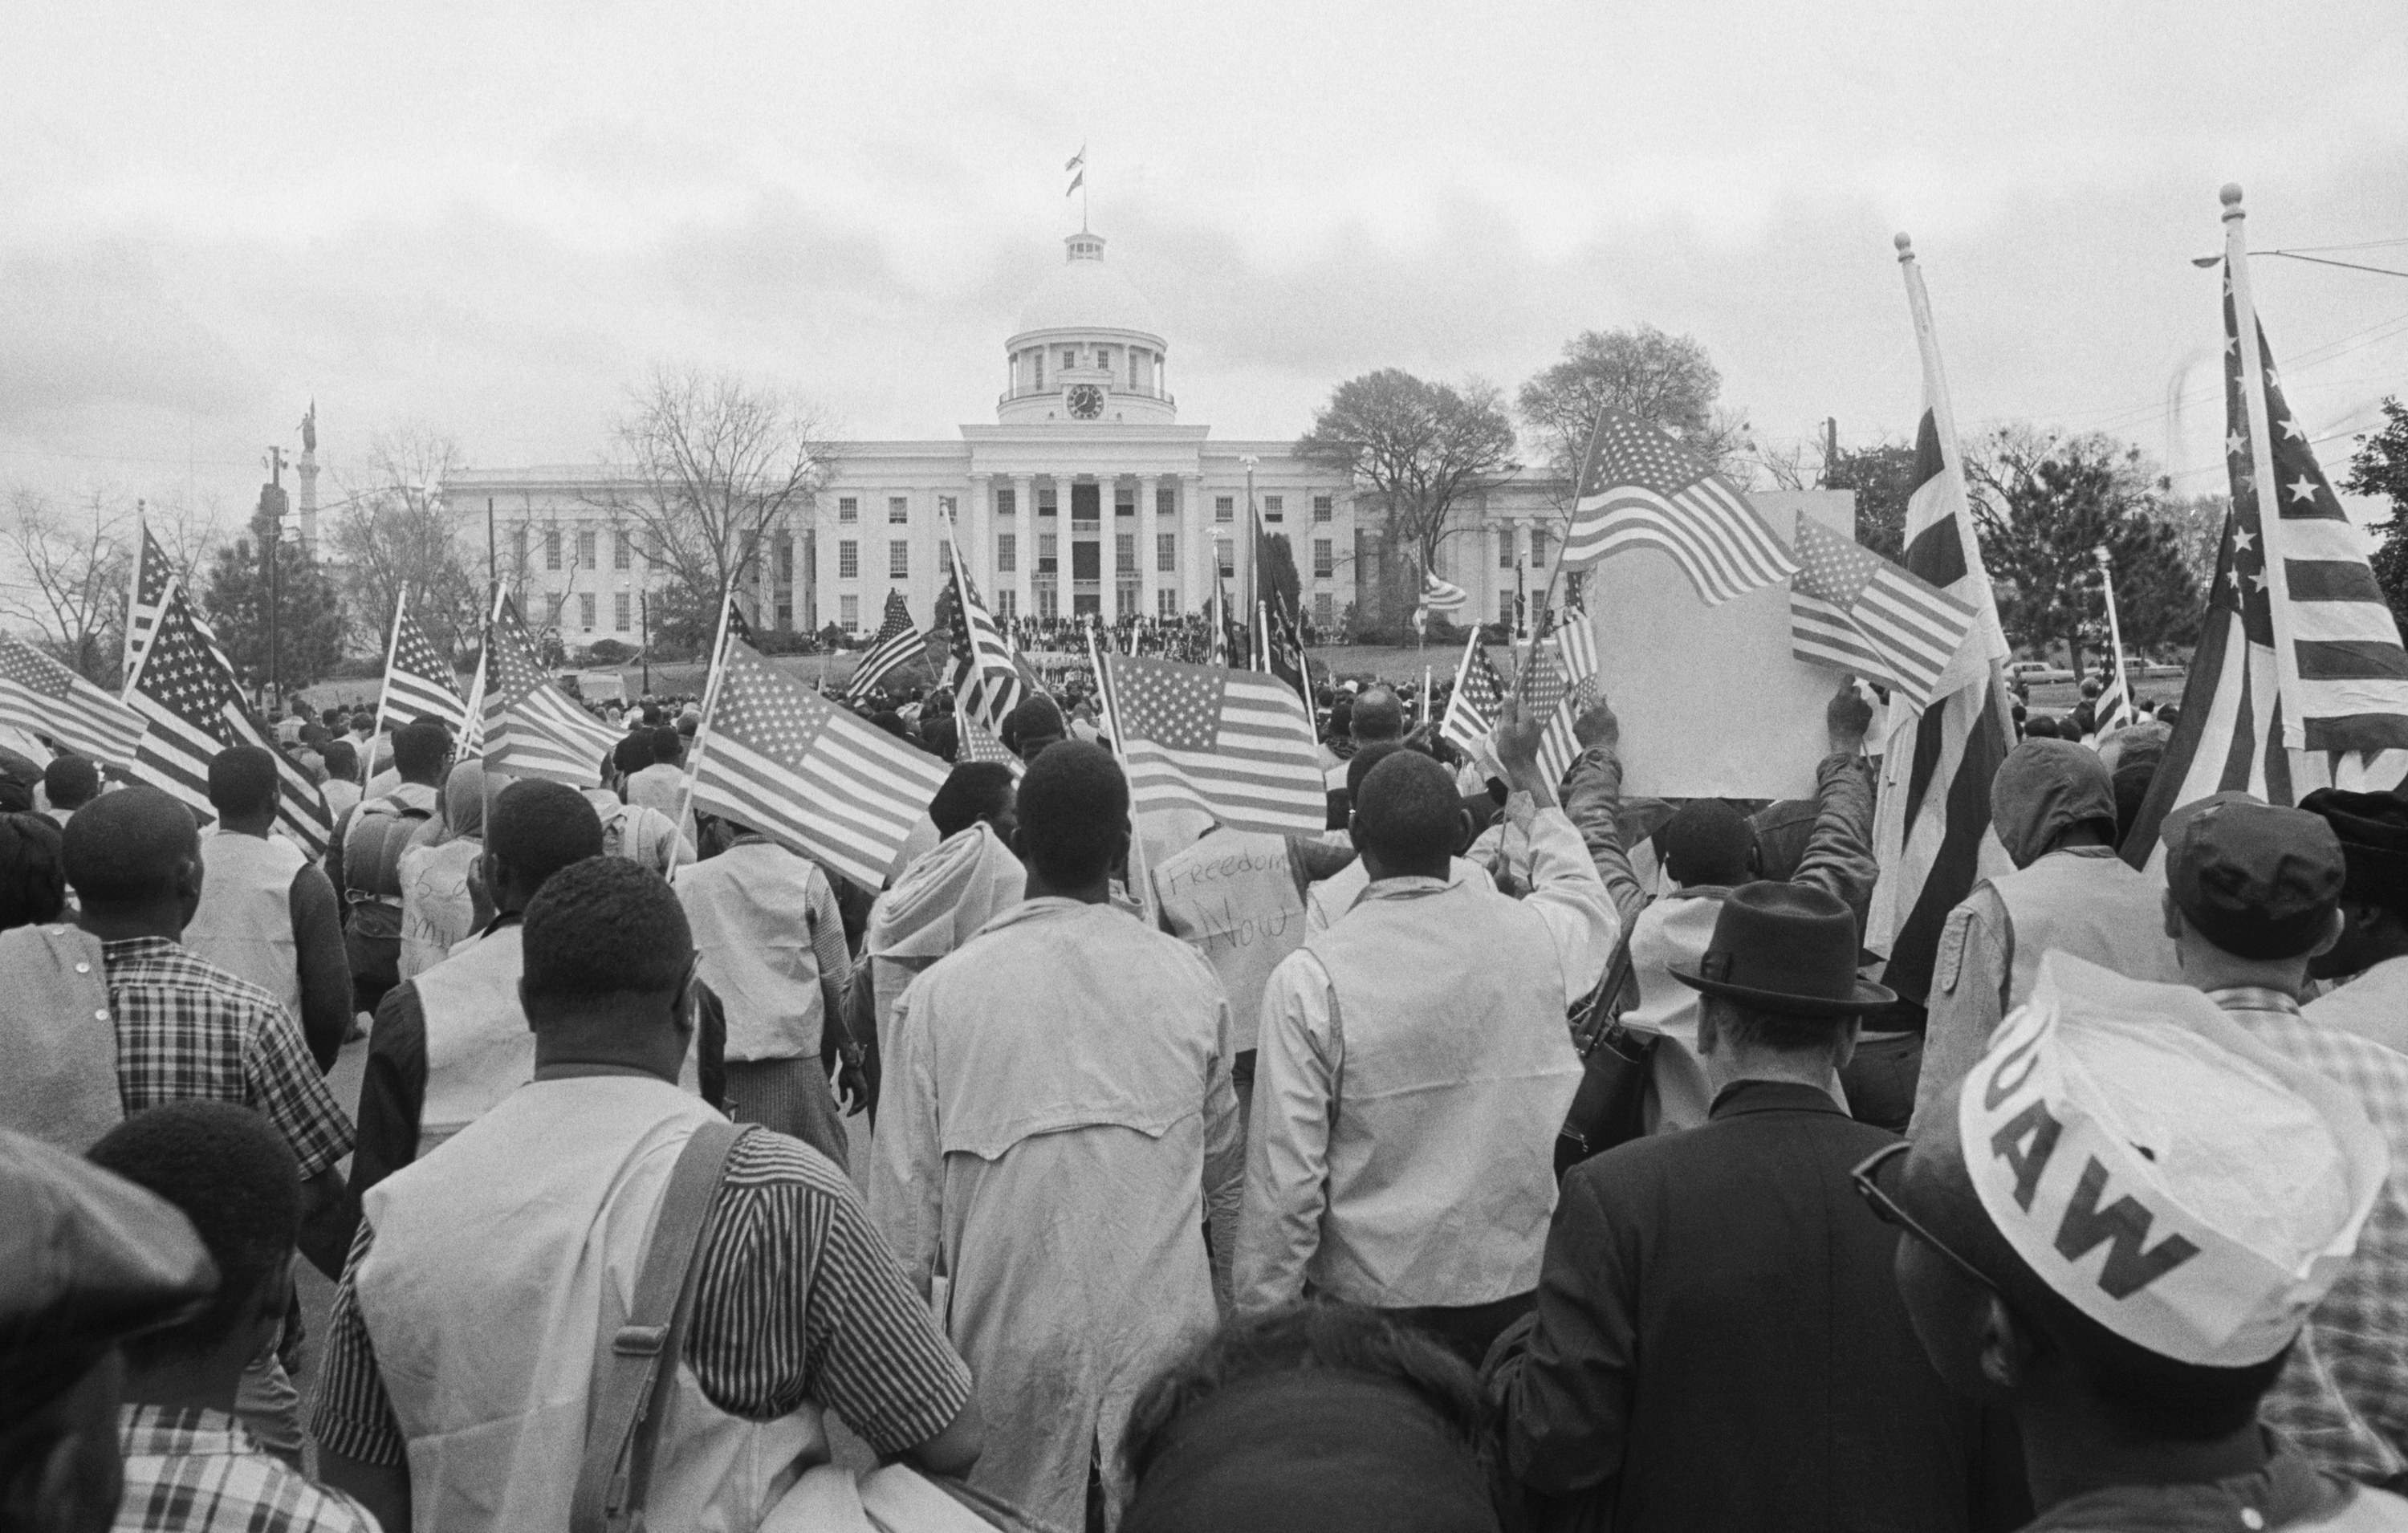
point(1087, 493)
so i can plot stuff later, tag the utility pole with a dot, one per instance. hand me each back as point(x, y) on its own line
point(1830, 444)
point(271, 513)
point(492, 561)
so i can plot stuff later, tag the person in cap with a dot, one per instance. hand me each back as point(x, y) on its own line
point(1709, 848)
point(1716, 1343)
point(461, 1344)
point(267, 913)
point(2252, 897)
point(2369, 960)
point(364, 858)
point(1044, 1170)
point(88, 1261)
point(2115, 1227)
point(2053, 806)
point(1312, 1418)
point(1414, 1064)
point(190, 1467)
point(764, 920)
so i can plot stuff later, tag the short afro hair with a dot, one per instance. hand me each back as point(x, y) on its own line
point(538, 827)
point(243, 781)
point(1706, 843)
point(973, 791)
point(342, 759)
point(634, 754)
point(604, 926)
point(1073, 809)
point(126, 847)
point(226, 1168)
point(1407, 812)
point(1359, 764)
point(669, 746)
point(33, 870)
point(1037, 717)
point(71, 782)
point(420, 746)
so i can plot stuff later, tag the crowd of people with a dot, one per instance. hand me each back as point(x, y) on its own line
point(1518, 1154)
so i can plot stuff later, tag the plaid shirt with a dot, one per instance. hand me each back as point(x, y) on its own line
point(191, 1471)
point(189, 1031)
point(2343, 1399)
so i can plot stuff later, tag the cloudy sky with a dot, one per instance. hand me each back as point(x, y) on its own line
point(491, 219)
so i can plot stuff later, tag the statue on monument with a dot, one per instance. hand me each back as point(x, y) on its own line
point(309, 429)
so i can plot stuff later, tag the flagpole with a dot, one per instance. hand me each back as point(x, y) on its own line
point(710, 684)
point(1462, 669)
point(391, 649)
point(1588, 460)
point(2264, 489)
point(1138, 874)
point(2115, 629)
point(133, 596)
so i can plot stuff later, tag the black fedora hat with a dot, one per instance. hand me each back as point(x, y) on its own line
point(1788, 948)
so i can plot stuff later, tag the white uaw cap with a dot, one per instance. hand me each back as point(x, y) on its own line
point(2170, 1176)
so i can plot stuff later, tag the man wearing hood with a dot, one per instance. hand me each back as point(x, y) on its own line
point(2053, 806)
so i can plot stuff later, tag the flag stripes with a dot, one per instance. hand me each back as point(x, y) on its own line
point(1851, 607)
point(1442, 596)
point(419, 683)
point(1477, 702)
point(1234, 744)
point(897, 644)
point(44, 698)
point(1643, 490)
point(532, 728)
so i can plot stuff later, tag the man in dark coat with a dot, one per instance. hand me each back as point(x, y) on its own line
point(1717, 1342)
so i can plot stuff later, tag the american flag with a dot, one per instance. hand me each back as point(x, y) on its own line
point(781, 758)
point(1931, 820)
point(978, 743)
point(532, 728)
point(152, 575)
point(979, 666)
point(898, 643)
point(2115, 708)
point(1236, 744)
point(1853, 608)
point(1553, 691)
point(1643, 490)
point(419, 683)
point(1442, 596)
point(1476, 703)
point(2299, 680)
point(43, 697)
point(185, 691)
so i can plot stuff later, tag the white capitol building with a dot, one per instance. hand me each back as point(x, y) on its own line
point(1086, 494)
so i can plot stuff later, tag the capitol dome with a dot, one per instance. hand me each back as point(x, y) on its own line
point(1085, 293)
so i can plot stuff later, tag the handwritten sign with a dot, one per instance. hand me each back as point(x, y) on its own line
point(1233, 898)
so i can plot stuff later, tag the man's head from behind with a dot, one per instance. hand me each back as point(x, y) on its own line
point(533, 829)
point(1073, 829)
point(1409, 821)
point(1708, 844)
point(1033, 726)
point(229, 1171)
point(2372, 829)
point(2241, 1181)
point(136, 855)
point(976, 791)
point(2052, 794)
point(70, 782)
point(1378, 716)
point(243, 786)
point(421, 751)
point(2253, 891)
point(609, 967)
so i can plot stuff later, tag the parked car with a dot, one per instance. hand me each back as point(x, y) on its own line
point(2036, 671)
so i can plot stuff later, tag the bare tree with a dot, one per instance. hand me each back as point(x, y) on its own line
point(75, 561)
point(705, 463)
point(394, 536)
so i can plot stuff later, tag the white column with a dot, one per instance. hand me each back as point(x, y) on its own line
point(1108, 517)
point(1195, 548)
point(975, 543)
point(1024, 516)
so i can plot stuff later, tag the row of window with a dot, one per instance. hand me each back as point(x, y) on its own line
point(1132, 365)
point(1505, 547)
point(1007, 556)
point(898, 508)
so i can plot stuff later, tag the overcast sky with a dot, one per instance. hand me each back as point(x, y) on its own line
point(492, 218)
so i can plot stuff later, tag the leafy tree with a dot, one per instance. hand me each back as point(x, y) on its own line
point(2046, 503)
point(2198, 524)
point(396, 535)
point(1418, 445)
point(1882, 476)
point(308, 612)
point(2380, 467)
point(706, 465)
point(74, 562)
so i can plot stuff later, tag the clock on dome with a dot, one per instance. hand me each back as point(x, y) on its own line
point(1086, 401)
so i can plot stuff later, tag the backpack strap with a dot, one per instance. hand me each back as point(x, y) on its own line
point(632, 1383)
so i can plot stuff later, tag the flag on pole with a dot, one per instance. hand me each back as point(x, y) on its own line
point(2298, 680)
point(1644, 490)
point(1853, 608)
point(1932, 823)
point(1442, 596)
point(897, 644)
point(532, 728)
point(978, 743)
point(1477, 702)
point(152, 575)
point(787, 762)
point(187, 694)
point(419, 682)
point(1236, 744)
point(2114, 709)
point(43, 697)
point(979, 667)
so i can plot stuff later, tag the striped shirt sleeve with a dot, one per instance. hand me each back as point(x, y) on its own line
point(354, 1416)
point(827, 931)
